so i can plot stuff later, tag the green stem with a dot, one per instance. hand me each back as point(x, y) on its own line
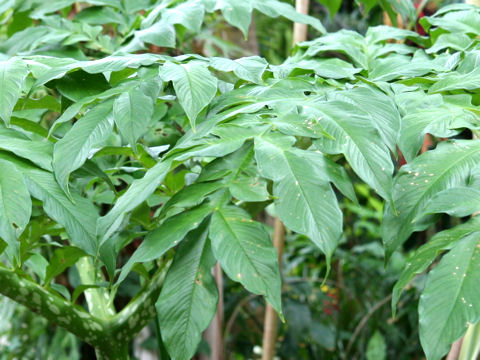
point(111, 336)
point(51, 306)
point(471, 343)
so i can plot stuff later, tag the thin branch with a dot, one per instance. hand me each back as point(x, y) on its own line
point(364, 321)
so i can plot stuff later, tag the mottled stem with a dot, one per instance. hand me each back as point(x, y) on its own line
point(51, 306)
point(110, 337)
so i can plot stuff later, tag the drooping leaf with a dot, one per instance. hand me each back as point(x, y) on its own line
point(245, 251)
point(418, 181)
point(137, 193)
point(132, 112)
point(457, 201)
point(38, 152)
point(306, 203)
point(427, 253)
point(189, 296)
point(12, 76)
point(246, 68)
point(74, 148)
point(15, 204)
point(194, 86)
point(62, 259)
point(367, 154)
point(450, 300)
point(169, 234)
point(78, 218)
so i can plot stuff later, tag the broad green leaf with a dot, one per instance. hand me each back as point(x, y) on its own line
point(238, 14)
point(132, 112)
point(381, 109)
point(194, 86)
point(458, 201)
point(346, 41)
point(455, 80)
point(190, 196)
point(15, 204)
point(353, 133)
point(451, 298)
point(137, 193)
point(245, 251)
point(78, 218)
point(246, 68)
point(466, 22)
point(417, 182)
point(38, 152)
point(189, 14)
point(306, 202)
point(189, 296)
point(74, 148)
point(428, 252)
point(458, 41)
point(169, 234)
point(246, 188)
point(325, 68)
point(62, 259)
point(12, 76)
point(439, 119)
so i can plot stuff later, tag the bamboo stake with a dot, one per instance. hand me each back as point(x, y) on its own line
point(271, 317)
point(300, 30)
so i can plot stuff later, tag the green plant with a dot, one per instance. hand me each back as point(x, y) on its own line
point(183, 152)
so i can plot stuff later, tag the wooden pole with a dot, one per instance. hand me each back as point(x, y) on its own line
point(271, 317)
point(300, 30)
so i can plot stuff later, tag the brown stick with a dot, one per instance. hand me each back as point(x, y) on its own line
point(213, 334)
point(271, 317)
point(300, 30)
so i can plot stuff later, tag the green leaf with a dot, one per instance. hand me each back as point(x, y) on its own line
point(246, 188)
point(451, 298)
point(189, 296)
point(417, 182)
point(353, 134)
point(238, 14)
point(458, 201)
point(38, 152)
point(62, 259)
point(306, 202)
point(78, 218)
point(15, 204)
point(332, 5)
point(376, 348)
point(428, 252)
point(194, 86)
point(246, 68)
point(433, 116)
point(132, 112)
point(12, 76)
point(245, 251)
point(137, 193)
point(326, 68)
point(454, 80)
point(380, 108)
point(74, 148)
point(169, 234)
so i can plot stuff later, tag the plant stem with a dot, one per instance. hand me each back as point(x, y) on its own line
point(51, 306)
